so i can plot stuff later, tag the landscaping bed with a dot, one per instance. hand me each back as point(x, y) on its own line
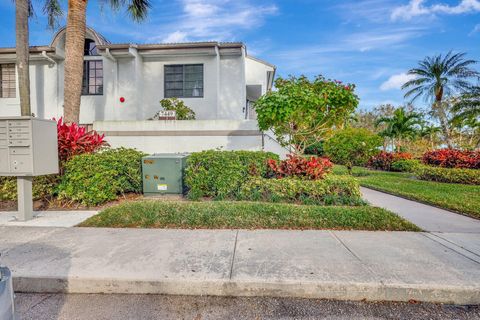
point(457, 197)
point(246, 215)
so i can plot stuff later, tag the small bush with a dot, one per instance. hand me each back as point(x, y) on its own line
point(405, 165)
point(384, 160)
point(449, 175)
point(43, 187)
point(315, 149)
point(333, 190)
point(182, 112)
point(295, 166)
point(92, 179)
point(74, 140)
point(352, 147)
point(453, 158)
point(219, 174)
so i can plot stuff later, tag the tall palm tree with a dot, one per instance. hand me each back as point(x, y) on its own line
point(467, 106)
point(22, 13)
point(75, 40)
point(400, 126)
point(437, 77)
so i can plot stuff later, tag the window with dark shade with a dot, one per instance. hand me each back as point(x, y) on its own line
point(90, 48)
point(184, 81)
point(92, 77)
point(7, 81)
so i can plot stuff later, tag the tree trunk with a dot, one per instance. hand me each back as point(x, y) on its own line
point(74, 45)
point(22, 50)
point(442, 117)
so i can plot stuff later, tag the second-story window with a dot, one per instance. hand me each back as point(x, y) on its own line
point(92, 77)
point(184, 81)
point(7, 81)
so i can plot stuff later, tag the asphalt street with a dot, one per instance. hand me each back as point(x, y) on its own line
point(97, 306)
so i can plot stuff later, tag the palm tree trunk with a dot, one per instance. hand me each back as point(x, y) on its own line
point(442, 117)
point(74, 45)
point(22, 49)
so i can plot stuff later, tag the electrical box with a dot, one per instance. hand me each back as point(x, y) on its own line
point(28, 147)
point(163, 174)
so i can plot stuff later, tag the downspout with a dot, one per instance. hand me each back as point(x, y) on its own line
point(217, 52)
point(109, 56)
point(57, 85)
point(44, 54)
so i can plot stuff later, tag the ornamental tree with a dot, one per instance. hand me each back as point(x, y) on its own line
point(302, 112)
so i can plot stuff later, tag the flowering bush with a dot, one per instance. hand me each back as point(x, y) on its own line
point(312, 168)
point(74, 140)
point(448, 175)
point(452, 158)
point(384, 160)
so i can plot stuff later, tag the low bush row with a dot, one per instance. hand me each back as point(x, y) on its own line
point(89, 178)
point(384, 160)
point(332, 190)
point(449, 175)
point(220, 174)
point(260, 176)
point(453, 158)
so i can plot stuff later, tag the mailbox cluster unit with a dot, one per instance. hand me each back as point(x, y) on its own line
point(28, 147)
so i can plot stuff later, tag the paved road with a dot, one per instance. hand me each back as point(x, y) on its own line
point(426, 217)
point(132, 307)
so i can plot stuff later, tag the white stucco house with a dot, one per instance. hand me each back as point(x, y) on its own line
point(123, 84)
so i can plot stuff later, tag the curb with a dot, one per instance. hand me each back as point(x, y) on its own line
point(312, 290)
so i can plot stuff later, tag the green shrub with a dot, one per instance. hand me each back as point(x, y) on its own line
point(352, 147)
point(220, 174)
point(43, 187)
point(92, 179)
point(332, 190)
point(449, 175)
point(405, 165)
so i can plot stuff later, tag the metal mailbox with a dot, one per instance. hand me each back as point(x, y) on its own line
point(163, 174)
point(28, 147)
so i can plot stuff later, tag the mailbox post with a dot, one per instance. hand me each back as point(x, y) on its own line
point(28, 148)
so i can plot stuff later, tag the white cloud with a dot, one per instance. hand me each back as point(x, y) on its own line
point(396, 81)
point(176, 36)
point(475, 29)
point(217, 19)
point(416, 8)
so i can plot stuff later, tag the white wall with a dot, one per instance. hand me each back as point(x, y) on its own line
point(256, 73)
point(232, 91)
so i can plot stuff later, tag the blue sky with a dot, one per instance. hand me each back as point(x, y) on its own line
point(371, 43)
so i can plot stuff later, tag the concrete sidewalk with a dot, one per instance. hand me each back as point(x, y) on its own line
point(345, 265)
point(427, 217)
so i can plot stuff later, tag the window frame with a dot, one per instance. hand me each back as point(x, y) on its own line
point(86, 78)
point(183, 96)
point(10, 81)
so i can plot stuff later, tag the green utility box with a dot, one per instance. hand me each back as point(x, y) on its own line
point(163, 173)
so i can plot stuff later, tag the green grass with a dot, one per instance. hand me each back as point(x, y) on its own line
point(458, 197)
point(245, 215)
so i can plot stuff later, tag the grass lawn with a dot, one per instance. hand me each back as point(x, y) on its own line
point(457, 197)
point(245, 215)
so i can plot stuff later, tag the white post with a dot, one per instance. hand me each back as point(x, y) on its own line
point(25, 200)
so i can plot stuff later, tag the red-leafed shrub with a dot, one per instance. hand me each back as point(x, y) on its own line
point(384, 160)
point(74, 140)
point(295, 166)
point(452, 158)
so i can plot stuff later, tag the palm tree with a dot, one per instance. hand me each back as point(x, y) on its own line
point(75, 40)
point(467, 106)
point(430, 132)
point(400, 126)
point(437, 77)
point(22, 13)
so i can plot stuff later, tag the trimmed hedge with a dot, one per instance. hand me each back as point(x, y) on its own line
point(92, 179)
point(43, 187)
point(332, 190)
point(449, 175)
point(405, 165)
point(220, 174)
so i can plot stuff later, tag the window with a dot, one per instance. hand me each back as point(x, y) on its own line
point(90, 48)
point(184, 81)
point(92, 77)
point(7, 80)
